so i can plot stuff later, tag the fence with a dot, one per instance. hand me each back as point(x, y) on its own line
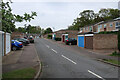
point(5, 43)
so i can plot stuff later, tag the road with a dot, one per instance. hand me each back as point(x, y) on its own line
point(58, 62)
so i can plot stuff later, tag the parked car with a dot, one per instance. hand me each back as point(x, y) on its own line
point(16, 45)
point(24, 41)
point(71, 41)
point(31, 39)
point(25, 37)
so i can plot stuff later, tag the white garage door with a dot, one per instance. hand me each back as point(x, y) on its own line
point(8, 43)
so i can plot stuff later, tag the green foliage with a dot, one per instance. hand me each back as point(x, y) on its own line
point(30, 29)
point(89, 17)
point(115, 53)
point(22, 73)
point(9, 19)
point(49, 36)
point(108, 32)
point(58, 39)
point(112, 61)
point(48, 30)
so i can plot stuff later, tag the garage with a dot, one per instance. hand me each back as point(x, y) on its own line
point(81, 41)
point(89, 41)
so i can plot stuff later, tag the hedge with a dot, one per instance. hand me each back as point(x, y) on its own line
point(58, 39)
point(108, 32)
point(49, 36)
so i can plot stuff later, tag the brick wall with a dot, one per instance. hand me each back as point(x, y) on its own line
point(71, 33)
point(16, 35)
point(105, 41)
point(58, 35)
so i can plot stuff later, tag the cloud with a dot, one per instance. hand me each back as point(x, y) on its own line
point(57, 14)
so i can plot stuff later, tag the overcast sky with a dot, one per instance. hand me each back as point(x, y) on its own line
point(58, 13)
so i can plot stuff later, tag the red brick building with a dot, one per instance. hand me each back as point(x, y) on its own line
point(111, 25)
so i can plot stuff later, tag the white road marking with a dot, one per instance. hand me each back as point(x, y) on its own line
point(47, 46)
point(68, 59)
point(96, 75)
point(54, 50)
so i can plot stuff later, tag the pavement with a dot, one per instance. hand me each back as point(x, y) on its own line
point(60, 61)
point(23, 58)
point(96, 54)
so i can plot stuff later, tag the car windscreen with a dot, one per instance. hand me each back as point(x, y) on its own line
point(30, 38)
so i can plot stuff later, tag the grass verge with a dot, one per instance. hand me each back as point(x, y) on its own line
point(21, 74)
point(112, 61)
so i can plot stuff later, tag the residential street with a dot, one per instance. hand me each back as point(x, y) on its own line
point(59, 62)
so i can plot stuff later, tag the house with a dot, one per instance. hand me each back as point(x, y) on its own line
point(88, 37)
point(90, 28)
point(71, 33)
point(111, 25)
point(64, 34)
point(96, 41)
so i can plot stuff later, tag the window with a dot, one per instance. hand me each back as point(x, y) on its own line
point(81, 29)
point(111, 24)
point(116, 24)
point(87, 28)
point(105, 25)
point(90, 28)
point(99, 27)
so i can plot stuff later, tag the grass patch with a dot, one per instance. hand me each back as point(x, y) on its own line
point(22, 74)
point(115, 53)
point(112, 61)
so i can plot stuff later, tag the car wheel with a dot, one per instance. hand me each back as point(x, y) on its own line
point(14, 48)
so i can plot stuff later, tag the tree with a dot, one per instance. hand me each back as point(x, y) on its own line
point(48, 30)
point(88, 17)
point(114, 13)
point(9, 19)
point(21, 29)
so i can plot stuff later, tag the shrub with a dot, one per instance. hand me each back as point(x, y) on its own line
point(108, 32)
point(114, 53)
point(49, 36)
point(58, 39)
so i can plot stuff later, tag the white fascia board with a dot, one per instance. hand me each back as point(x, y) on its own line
point(89, 34)
point(64, 34)
point(81, 35)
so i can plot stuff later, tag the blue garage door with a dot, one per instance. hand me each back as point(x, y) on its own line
point(81, 41)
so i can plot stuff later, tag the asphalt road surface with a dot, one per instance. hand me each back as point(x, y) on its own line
point(58, 62)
